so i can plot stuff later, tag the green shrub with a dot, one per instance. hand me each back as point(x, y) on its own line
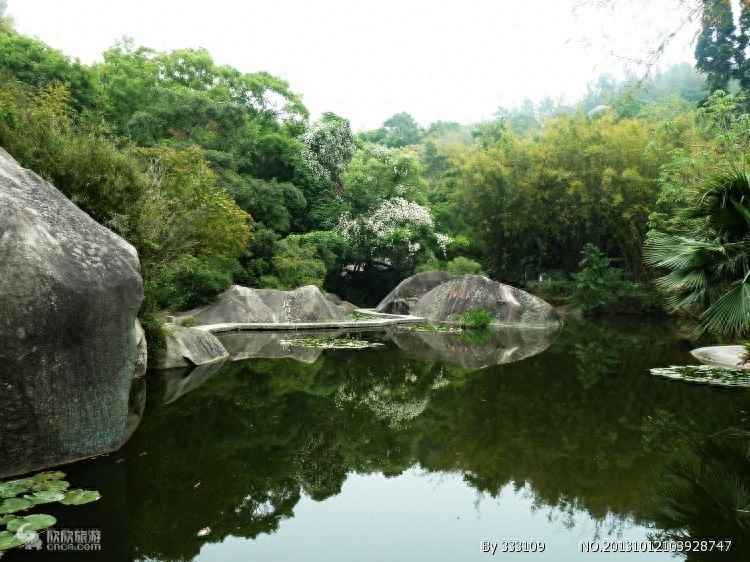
point(457, 266)
point(463, 266)
point(297, 264)
point(596, 284)
point(153, 326)
point(189, 282)
point(474, 318)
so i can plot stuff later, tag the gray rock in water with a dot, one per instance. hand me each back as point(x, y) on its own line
point(70, 290)
point(334, 298)
point(236, 304)
point(509, 306)
point(721, 355)
point(306, 304)
point(141, 359)
point(186, 347)
point(402, 299)
point(345, 306)
point(261, 306)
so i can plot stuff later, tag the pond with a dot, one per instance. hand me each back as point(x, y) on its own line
point(409, 451)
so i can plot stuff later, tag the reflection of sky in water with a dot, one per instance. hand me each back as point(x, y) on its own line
point(425, 516)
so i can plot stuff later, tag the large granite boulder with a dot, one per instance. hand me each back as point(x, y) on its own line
point(508, 305)
point(345, 306)
point(306, 304)
point(402, 299)
point(236, 304)
point(70, 290)
point(266, 306)
point(188, 347)
point(732, 356)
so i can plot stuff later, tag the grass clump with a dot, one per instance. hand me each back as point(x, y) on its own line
point(474, 318)
point(360, 317)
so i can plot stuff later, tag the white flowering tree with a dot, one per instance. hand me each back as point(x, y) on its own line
point(328, 146)
point(386, 224)
point(377, 173)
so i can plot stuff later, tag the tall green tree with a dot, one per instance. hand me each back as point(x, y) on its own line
point(706, 246)
point(328, 147)
point(397, 131)
point(715, 49)
point(709, 261)
point(38, 65)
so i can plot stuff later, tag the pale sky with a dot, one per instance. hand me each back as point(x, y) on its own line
point(451, 60)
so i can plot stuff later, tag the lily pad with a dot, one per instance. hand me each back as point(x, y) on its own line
point(708, 374)
point(34, 522)
point(331, 343)
point(45, 496)
point(80, 497)
point(12, 489)
point(8, 540)
point(11, 505)
point(51, 486)
point(5, 519)
point(47, 476)
point(28, 482)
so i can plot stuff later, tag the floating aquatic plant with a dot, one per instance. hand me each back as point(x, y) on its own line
point(21, 494)
point(360, 317)
point(708, 374)
point(439, 328)
point(332, 343)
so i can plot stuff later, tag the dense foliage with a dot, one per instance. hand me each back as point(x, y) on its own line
point(177, 153)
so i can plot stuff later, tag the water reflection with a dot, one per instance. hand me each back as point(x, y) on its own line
point(705, 495)
point(272, 345)
point(472, 349)
point(264, 440)
point(475, 349)
point(180, 381)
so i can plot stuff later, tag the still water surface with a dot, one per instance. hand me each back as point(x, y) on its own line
point(406, 453)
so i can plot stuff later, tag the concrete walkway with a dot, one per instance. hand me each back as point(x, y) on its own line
point(382, 321)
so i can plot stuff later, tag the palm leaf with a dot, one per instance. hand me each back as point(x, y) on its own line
point(730, 314)
point(675, 252)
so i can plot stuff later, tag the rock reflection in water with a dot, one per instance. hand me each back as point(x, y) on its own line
point(475, 349)
point(178, 382)
point(471, 349)
point(265, 441)
point(268, 345)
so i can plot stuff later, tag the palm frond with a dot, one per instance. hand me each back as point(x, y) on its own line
point(730, 314)
point(675, 252)
point(685, 279)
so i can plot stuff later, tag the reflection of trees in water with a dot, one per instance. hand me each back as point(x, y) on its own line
point(395, 401)
point(260, 433)
point(706, 495)
point(319, 467)
point(611, 525)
